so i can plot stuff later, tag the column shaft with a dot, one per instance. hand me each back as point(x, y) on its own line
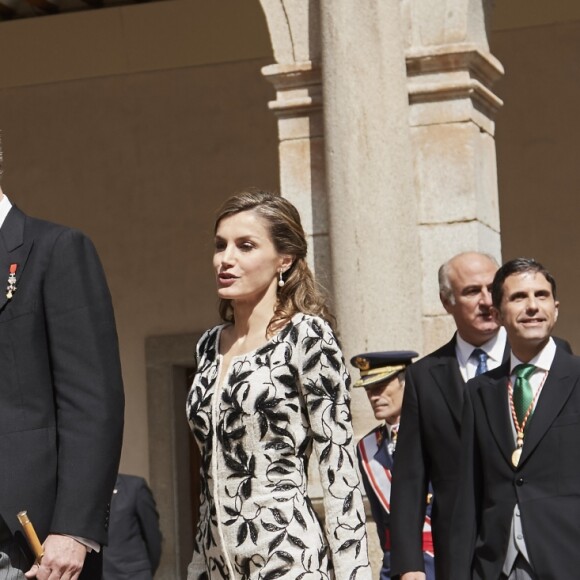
point(376, 269)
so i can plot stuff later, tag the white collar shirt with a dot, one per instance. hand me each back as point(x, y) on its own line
point(5, 207)
point(494, 348)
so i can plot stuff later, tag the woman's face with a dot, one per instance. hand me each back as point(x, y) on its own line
point(245, 259)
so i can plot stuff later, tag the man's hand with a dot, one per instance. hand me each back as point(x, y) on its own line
point(413, 576)
point(63, 559)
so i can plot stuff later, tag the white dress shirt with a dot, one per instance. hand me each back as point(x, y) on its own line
point(5, 206)
point(494, 348)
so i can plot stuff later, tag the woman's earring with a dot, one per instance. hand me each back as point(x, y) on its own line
point(280, 279)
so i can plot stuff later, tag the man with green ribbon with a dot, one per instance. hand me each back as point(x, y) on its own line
point(518, 508)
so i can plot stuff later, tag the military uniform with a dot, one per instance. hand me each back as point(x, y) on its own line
point(376, 463)
point(376, 452)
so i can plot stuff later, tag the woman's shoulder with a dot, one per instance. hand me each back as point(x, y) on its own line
point(310, 320)
point(209, 337)
point(310, 324)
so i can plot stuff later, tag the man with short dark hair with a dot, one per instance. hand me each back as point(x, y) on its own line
point(518, 505)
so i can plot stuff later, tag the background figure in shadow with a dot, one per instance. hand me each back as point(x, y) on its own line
point(134, 548)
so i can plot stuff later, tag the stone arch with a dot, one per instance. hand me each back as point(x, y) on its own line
point(294, 27)
point(294, 30)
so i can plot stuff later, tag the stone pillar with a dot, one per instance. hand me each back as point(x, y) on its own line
point(296, 76)
point(376, 268)
point(452, 110)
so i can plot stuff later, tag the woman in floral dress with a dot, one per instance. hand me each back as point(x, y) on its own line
point(270, 387)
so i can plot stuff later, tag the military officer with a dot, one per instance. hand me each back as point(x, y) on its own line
point(382, 374)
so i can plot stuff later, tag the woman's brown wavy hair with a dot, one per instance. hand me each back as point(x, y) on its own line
point(300, 293)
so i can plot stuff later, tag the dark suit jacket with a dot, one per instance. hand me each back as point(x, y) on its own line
point(545, 485)
point(427, 450)
point(61, 394)
point(134, 548)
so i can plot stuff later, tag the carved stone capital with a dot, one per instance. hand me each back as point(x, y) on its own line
point(298, 98)
point(452, 83)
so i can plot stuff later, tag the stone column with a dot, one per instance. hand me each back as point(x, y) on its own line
point(296, 76)
point(368, 205)
point(452, 110)
point(376, 268)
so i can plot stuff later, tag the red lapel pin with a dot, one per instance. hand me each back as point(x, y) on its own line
point(11, 281)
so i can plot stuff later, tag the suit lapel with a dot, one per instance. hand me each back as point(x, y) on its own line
point(494, 396)
point(14, 249)
point(558, 387)
point(447, 377)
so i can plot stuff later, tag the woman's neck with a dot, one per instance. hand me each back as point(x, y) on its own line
point(248, 332)
point(252, 319)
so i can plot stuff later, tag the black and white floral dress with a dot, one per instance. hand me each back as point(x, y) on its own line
point(256, 432)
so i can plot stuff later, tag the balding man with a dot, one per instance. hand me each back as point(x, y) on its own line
point(428, 446)
point(428, 442)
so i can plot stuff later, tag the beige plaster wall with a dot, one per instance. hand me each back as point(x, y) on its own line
point(538, 154)
point(134, 38)
point(139, 159)
point(526, 13)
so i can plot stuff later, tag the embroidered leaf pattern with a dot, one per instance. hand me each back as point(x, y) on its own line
point(256, 431)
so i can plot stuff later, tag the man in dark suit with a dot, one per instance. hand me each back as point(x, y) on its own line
point(518, 508)
point(383, 378)
point(61, 397)
point(428, 440)
point(134, 548)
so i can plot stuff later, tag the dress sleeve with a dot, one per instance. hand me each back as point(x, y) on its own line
point(326, 383)
point(199, 421)
point(193, 406)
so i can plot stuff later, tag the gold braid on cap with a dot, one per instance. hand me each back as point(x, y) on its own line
point(378, 375)
point(382, 370)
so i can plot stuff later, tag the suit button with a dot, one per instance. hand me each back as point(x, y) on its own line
point(520, 481)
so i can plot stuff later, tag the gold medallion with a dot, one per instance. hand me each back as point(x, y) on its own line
point(516, 456)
